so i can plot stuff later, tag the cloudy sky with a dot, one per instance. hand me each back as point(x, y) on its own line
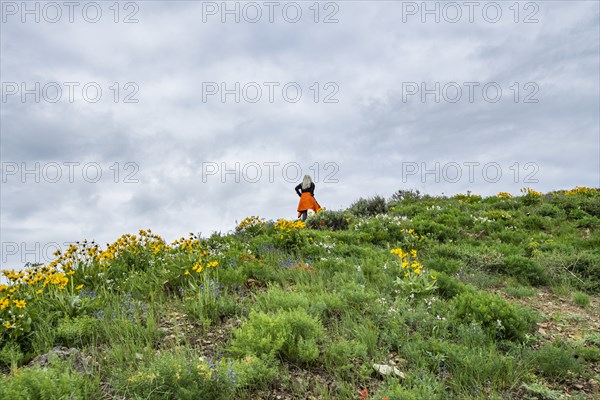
point(187, 116)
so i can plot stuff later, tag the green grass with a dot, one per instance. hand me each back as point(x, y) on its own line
point(276, 308)
point(519, 292)
point(581, 299)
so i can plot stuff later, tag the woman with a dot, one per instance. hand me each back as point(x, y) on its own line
point(306, 191)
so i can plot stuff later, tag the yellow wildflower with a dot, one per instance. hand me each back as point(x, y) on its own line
point(198, 266)
point(20, 303)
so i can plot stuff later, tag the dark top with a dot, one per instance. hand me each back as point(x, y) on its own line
point(311, 189)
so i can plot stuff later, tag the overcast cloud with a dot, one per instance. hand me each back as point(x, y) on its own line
point(367, 129)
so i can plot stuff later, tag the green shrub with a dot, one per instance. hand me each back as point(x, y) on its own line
point(549, 210)
point(294, 335)
point(588, 222)
point(581, 299)
point(277, 299)
point(77, 332)
point(387, 229)
point(317, 302)
point(354, 294)
point(483, 258)
point(477, 366)
point(534, 223)
point(510, 236)
point(369, 207)
point(404, 195)
point(555, 360)
point(210, 302)
point(55, 382)
point(10, 355)
point(254, 373)
point(589, 354)
point(446, 219)
point(448, 286)
point(519, 292)
point(525, 270)
point(497, 215)
point(340, 356)
point(586, 265)
point(467, 198)
point(329, 220)
point(434, 230)
point(175, 375)
point(577, 213)
point(443, 264)
point(591, 205)
point(529, 199)
point(499, 318)
point(290, 236)
point(251, 226)
point(580, 271)
point(418, 386)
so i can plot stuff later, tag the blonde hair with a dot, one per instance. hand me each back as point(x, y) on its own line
point(306, 182)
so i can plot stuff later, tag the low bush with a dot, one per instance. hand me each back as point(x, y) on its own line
point(55, 382)
point(555, 360)
point(581, 299)
point(525, 270)
point(369, 207)
point(186, 376)
point(502, 320)
point(294, 335)
point(340, 356)
point(329, 220)
point(442, 264)
point(406, 195)
point(448, 286)
point(434, 230)
point(10, 355)
point(77, 332)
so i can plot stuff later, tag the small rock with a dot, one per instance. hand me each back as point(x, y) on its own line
point(387, 370)
point(80, 363)
point(542, 331)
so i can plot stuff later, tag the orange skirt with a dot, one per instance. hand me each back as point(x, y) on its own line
point(307, 202)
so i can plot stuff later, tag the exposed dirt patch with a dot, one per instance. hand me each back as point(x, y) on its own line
point(564, 320)
point(179, 330)
point(561, 318)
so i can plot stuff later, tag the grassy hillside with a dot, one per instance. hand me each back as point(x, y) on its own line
point(415, 297)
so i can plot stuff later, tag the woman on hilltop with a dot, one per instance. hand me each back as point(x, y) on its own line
point(306, 191)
